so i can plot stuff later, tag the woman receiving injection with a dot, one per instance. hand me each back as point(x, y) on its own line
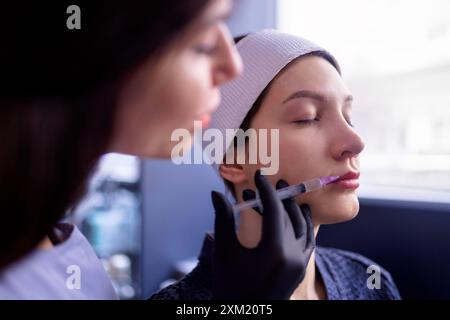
point(292, 85)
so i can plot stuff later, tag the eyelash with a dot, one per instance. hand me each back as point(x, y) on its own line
point(312, 121)
point(205, 49)
point(307, 121)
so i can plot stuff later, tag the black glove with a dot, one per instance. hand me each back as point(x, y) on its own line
point(275, 268)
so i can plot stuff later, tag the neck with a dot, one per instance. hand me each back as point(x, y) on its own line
point(45, 244)
point(311, 288)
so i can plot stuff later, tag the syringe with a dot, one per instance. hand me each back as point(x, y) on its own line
point(290, 191)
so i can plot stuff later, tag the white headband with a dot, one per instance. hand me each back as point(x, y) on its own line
point(264, 55)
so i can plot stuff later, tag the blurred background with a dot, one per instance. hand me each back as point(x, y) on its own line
point(146, 219)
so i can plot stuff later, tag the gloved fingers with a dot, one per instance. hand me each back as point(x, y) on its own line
point(224, 225)
point(281, 184)
point(297, 220)
point(249, 194)
point(310, 237)
point(273, 211)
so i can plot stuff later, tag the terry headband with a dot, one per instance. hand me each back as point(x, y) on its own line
point(264, 55)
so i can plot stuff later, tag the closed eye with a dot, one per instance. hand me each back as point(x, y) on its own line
point(206, 49)
point(307, 121)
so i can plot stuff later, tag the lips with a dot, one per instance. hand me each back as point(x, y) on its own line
point(206, 120)
point(348, 180)
point(205, 116)
point(349, 176)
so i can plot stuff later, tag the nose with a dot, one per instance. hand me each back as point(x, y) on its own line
point(229, 62)
point(347, 143)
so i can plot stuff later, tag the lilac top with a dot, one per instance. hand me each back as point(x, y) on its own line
point(69, 270)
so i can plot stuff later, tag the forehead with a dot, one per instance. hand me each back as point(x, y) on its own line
point(215, 11)
point(310, 73)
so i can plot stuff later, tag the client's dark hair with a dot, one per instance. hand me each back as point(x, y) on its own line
point(258, 102)
point(58, 99)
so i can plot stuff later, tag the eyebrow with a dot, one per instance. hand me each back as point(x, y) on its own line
point(312, 95)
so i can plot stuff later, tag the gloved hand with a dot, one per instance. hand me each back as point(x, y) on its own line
point(275, 268)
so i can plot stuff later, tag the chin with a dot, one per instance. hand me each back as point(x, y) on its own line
point(334, 209)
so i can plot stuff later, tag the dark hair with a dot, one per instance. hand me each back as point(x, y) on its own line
point(246, 123)
point(58, 100)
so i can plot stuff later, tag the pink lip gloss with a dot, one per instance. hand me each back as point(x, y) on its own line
point(206, 120)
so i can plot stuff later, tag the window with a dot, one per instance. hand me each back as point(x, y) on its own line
point(395, 57)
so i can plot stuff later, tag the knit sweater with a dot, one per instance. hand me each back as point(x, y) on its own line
point(345, 276)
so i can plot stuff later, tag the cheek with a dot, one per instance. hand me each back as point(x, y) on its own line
point(157, 102)
point(182, 90)
point(328, 207)
point(301, 157)
point(192, 88)
point(181, 98)
point(304, 157)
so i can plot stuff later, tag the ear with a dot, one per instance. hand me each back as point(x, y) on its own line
point(233, 173)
